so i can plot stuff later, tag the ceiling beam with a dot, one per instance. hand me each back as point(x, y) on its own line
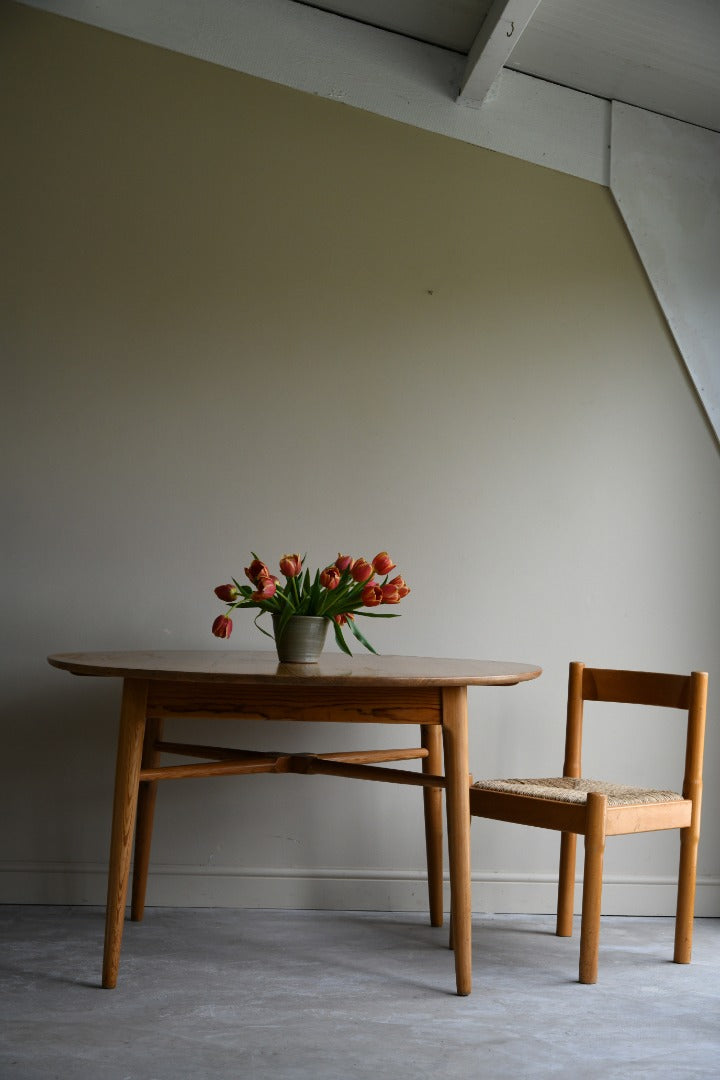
point(360, 66)
point(498, 36)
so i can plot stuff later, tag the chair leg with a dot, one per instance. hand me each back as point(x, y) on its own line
point(144, 821)
point(431, 739)
point(592, 886)
point(686, 895)
point(566, 885)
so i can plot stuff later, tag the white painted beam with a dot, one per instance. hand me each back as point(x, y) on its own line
point(665, 179)
point(387, 74)
point(498, 36)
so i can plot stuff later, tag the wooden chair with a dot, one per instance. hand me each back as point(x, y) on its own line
point(595, 809)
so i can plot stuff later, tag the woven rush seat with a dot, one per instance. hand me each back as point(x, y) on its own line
point(575, 789)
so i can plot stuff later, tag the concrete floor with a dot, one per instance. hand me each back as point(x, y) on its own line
point(326, 995)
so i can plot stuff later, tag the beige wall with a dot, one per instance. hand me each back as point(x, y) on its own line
point(236, 316)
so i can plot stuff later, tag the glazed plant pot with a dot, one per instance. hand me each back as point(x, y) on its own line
point(302, 640)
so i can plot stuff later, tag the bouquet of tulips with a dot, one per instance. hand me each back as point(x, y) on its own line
point(336, 593)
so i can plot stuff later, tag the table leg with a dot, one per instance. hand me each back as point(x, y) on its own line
point(457, 776)
point(144, 823)
point(127, 768)
point(431, 740)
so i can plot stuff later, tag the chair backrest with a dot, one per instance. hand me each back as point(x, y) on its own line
point(686, 692)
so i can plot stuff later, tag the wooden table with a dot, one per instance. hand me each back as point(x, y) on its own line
point(429, 692)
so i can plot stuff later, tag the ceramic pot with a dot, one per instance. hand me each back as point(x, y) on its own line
point(303, 639)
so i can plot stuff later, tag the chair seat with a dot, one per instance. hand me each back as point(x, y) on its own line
point(575, 789)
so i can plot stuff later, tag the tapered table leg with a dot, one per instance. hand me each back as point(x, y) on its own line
point(457, 776)
point(144, 824)
point(431, 738)
point(127, 768)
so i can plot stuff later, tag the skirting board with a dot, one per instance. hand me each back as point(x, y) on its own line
point(337, 890)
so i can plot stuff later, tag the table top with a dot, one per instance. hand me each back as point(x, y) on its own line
point(333, 669)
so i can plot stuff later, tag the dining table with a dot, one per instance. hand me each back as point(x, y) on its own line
point(430, 693)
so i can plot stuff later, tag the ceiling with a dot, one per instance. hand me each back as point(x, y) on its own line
point(659, 55)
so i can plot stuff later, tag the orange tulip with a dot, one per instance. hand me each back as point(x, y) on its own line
point(256, 571)
point(267, 587)
point(344, 562)
point(390, 594)
point(382, 563)
point(330, 577)
point(401, 586)
point(372, 595)
point(291, 565)
point(362, 570)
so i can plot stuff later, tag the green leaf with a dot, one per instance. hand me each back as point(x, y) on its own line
point(284, 619)
point(295, 590)
point(363, 640)
point(379, 614)
point(314, 597)
point(255, 620)
point(285, 603)
point(340, 639)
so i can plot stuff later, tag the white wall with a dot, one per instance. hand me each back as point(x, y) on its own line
point(236, 316)
point(665, 167)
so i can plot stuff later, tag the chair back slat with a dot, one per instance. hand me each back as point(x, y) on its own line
point(636, 688)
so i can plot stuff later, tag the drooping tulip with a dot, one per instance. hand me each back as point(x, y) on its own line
point(228, 593)
point(222, 627)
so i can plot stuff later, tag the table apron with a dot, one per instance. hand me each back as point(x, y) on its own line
point(308, 704)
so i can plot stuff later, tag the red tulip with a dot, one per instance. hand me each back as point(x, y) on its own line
point(345, 617)
point(267, 587)
point(402, 587)
point(291, 565)
point(256, 571)
point(362, 570)
point(222, 627)
point(382, 563)
point(228, 593)
point(372, 595)
point(390, 594)
point(330, 577)
point(344, 562)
